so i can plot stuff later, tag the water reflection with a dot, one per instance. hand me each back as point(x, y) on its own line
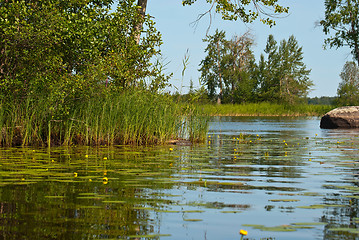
point(276, 177)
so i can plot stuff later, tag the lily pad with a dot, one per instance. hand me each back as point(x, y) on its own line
point(282, 228)
point(149, 236)
point(320, 206)
point(231, 211)
point(192, 220)
point(55, 197)
point(350, 230)
point(308, 223)
point(193, 211)
point(284, 200)
point(108, 201)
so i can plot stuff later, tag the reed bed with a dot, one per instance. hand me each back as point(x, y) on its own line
point(135, 118)
point(265, 109)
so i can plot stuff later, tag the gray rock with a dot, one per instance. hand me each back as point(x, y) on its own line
point(343, 117)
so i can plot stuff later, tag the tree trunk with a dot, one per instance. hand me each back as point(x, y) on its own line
point(220, 95)
point(142, 4)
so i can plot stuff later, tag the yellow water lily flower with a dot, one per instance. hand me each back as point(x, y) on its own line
point(243, 232)
point(105, 180)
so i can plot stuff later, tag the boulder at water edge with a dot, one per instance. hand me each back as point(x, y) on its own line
point(343, 117)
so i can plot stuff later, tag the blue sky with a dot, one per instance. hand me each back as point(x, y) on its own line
point(179, 36)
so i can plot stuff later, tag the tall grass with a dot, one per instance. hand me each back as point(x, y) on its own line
point(265, 109)
point(138, 118)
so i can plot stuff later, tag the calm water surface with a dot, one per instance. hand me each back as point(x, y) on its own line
point(277, 178)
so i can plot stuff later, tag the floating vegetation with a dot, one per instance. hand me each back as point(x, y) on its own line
point(284, 200)
point(285, 228)
point(114, 201)
point(192, 211)
point(231, 211)
point(352, 196)
point(343, 229)
point(282, 228)
point(55, 197)
point(309, 223)
point(311, 194)
point(320, 206)
point(151, 189)
point(167, 211)
point(192, 220)
point(147, 236)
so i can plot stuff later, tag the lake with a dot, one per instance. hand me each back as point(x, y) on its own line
point(277, 178)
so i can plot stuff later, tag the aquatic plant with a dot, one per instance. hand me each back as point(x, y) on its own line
point(137, 117)
point(243, 233)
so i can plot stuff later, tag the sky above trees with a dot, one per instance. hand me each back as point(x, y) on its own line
point(183, 39)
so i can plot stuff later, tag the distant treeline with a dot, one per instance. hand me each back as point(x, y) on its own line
point(322, 100)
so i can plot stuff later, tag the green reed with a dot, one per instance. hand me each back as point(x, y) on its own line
point(137, 117)
point(265, 109)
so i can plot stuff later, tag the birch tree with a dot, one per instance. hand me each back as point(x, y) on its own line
point(348, 90)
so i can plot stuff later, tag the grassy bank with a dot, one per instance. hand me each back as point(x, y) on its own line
point(128, 118)
point(265, 109)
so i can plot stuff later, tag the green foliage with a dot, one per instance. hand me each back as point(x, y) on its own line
point(324, 100)
point(75, 72)
point(234, 10)
point(131, 117)
point(69, 51)
point(342, 18)
point(283, 76)
point(211, 66)
point(226, 66)
point(265, 109)
point(229, 70)
point(348, 90)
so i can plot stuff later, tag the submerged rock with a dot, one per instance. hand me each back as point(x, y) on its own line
point(343, 117)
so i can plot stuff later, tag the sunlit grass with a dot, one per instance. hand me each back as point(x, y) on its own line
point(265, 109)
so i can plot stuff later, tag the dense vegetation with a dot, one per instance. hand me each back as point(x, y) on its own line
point(231, 74)
point(265, 109)
point(348, 89)
point(74, 72)
point(341, 24)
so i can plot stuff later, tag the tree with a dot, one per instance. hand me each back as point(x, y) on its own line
point(236, 9)
point(283, 77)
point(342, 17)
point(267, 73)
point(142, 5)
point(294, 77)
point(245, 10)
point(237, 63)
point(348, 90)
point(212, 66)
point(65, 51)
point(225, 68)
